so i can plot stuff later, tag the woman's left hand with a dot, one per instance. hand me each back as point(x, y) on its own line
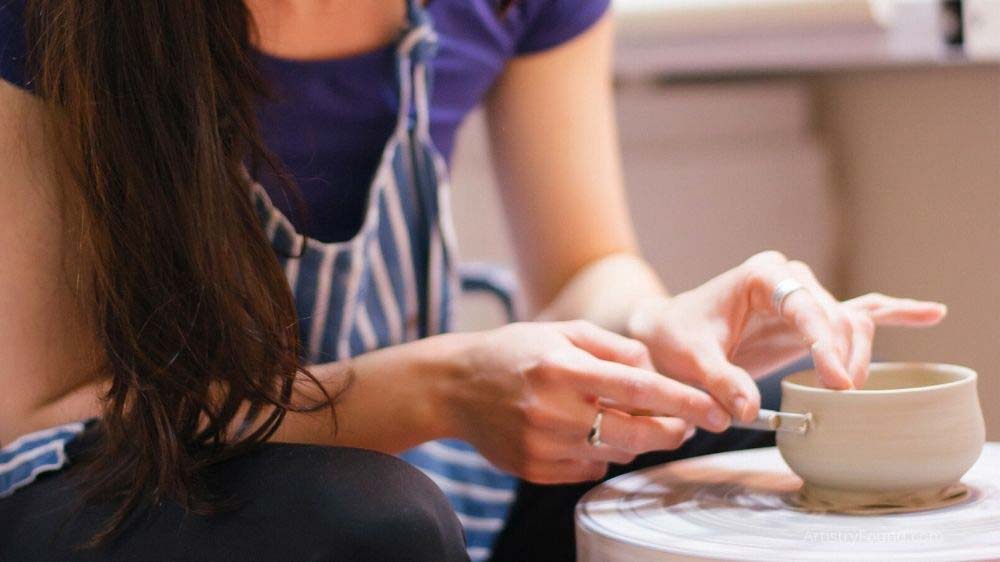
point(722, 334)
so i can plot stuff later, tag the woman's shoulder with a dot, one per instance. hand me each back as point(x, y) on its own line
point(528, 25)
point(13, 49)
point(550, 23)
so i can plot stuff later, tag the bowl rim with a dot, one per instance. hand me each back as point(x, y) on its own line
point(969, 376)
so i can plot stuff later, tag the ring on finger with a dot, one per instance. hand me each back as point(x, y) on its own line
point(594, 437)
point(782, 291)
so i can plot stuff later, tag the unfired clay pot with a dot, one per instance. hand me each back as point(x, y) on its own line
point(901, 443)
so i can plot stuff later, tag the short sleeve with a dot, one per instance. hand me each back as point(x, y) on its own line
point(12, 43)
point(553, 22)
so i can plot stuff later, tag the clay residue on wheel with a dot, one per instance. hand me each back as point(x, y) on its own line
point(809, 500)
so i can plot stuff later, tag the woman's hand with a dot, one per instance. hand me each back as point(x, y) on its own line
point(528, 395)
point(721, 334)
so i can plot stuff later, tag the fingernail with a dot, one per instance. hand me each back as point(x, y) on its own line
point(718, 419)
point(740, 406)
point(690, 433)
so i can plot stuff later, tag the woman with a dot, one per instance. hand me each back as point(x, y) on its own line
point(176, 256)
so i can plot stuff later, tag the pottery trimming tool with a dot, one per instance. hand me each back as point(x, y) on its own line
point(770, 420)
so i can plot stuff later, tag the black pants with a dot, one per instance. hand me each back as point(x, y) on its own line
point(541, 527)
point(297, 502)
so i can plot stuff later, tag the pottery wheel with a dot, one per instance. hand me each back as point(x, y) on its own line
point(739, 505)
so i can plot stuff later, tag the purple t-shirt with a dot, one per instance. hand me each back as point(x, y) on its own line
point(331, 118)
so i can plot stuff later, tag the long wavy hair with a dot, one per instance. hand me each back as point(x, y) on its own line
point(151, 109)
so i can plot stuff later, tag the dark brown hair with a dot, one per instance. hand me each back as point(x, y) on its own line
point(152, 108)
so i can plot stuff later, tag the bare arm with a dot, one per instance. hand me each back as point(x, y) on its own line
point(46, 345)
point(555, 148)
point(525, 395)
point(387, 400)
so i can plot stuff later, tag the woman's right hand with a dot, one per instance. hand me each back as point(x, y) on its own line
point(528, 393)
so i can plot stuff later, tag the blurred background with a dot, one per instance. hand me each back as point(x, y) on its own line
point(861, 136)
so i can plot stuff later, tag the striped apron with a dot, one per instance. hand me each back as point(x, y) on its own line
point(397, 279)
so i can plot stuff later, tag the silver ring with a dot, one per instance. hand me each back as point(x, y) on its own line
point(782, 290)
point(594, 437)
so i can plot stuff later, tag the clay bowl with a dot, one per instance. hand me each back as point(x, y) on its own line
point(902, 443)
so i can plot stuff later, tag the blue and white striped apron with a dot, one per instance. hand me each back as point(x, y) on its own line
point(28, 456)
point(396, 280)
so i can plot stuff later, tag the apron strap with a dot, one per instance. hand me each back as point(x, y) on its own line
point(423, 79)
point(414, 76)
point(413, 10)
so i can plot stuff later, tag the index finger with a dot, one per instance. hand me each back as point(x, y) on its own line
point(640, 389)
point(805, 313)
